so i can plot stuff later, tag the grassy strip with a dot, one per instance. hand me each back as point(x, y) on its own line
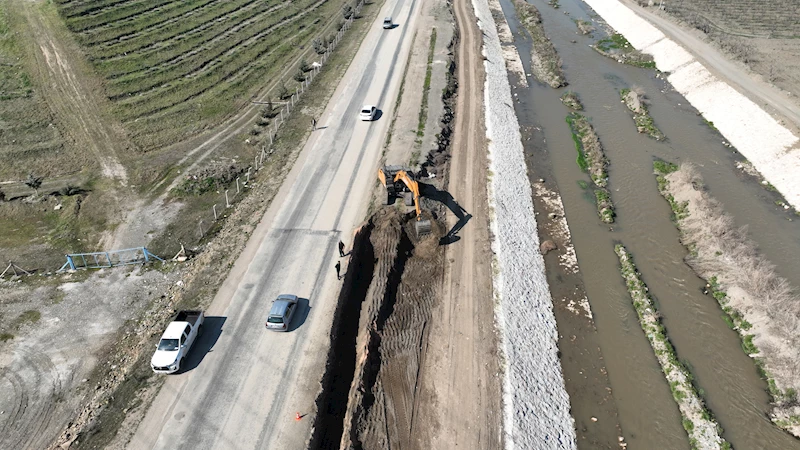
point(764, 309)
point(571, 101)
point(618, 48)
point(545, 62)
point(398, 99)
point(703, 430)
point(591, 159)
point(426, 87)
point(644, 123)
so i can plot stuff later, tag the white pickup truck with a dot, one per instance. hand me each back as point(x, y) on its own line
point(176, 341)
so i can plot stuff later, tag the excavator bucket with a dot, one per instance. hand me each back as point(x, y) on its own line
point(423, 227)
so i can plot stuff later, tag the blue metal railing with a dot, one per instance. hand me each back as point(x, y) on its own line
point(102, 260)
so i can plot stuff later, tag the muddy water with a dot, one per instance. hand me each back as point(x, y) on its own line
point(734, 392)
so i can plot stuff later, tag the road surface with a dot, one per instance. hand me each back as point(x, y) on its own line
point(244, 391)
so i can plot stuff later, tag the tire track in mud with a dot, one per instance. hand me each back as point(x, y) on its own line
point(26, 374)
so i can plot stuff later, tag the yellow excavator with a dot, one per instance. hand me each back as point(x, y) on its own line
point(400, 182)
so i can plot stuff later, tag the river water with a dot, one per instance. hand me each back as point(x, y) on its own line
point(735, 394)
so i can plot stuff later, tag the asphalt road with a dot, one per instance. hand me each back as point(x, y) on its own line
point(245, 384)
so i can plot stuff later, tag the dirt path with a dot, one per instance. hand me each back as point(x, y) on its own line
point(758, 91)
point(461, 366)
point(74, 99)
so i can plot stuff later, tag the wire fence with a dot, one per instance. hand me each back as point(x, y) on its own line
point(236, 191)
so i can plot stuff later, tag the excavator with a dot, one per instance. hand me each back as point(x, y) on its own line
point(400, 182)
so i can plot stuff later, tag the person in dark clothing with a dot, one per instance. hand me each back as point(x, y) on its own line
point(313, 124)
point(341, 249)
point(338, 269)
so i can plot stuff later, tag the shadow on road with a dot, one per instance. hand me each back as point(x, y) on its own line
point(212, 328)
point(444, 197)
point(303, 308)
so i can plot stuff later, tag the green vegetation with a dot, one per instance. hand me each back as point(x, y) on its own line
point(696, 418)
point(592, 160)
point(426, 87)
point(175, 68)
point(585, 27)
point(605, 208)
point(618, 48)
point(641, 116)
point(30, 137)
point(576, 138)
point(571, 101)
point(545, 62)
point(6, 337)
point(662, 169)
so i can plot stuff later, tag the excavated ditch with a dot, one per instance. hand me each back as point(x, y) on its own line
point(341, 361)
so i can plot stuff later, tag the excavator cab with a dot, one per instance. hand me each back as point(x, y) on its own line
point(400, 182)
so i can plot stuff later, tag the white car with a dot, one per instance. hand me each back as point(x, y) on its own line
point(176, 341)
point(387, 23)
point(368, 112)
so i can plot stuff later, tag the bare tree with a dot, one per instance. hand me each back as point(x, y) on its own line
point(347, 11)
point(34, 182)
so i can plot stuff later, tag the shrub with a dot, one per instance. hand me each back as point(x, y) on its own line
point(319, 46)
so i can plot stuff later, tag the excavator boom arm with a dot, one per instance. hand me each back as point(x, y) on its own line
point(413, 186)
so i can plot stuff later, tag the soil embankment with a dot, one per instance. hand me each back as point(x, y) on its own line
point(761, 305)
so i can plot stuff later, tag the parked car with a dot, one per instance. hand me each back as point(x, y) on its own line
point(176, 341)
point(281, 312)
point(368, 112)
point(387, 23)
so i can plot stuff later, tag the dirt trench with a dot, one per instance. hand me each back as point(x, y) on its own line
point(371, 386)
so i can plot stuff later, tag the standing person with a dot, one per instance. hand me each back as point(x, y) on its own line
point(313, 124)
point(341, 249)
point(338, 269)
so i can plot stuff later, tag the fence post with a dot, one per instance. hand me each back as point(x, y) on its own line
point(248, 175)
point(215, 211)
point(255, 162)
point(202, 233)
point(237, 185)
point(227, 203)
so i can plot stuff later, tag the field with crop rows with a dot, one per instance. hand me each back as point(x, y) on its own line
point(175, 67)
point(774, 18)
point(28, 133)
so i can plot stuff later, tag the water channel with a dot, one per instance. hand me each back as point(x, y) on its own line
point(732, 388)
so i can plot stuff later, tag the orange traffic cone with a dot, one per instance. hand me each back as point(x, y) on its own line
point(297, 416)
